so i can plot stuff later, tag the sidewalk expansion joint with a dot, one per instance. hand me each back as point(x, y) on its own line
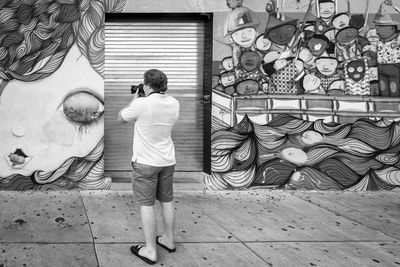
point(90, 229)
point(220, 225)
point(176, 242)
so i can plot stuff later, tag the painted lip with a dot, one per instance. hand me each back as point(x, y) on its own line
point(20, 150)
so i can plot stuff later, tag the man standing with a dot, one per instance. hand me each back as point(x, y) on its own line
point(153, 160)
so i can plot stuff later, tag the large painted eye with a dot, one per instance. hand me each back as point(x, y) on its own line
point(351, 69)
point(82, 107)
point(360, 69)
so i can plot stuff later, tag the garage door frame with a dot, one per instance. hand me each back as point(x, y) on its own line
point(207, 19)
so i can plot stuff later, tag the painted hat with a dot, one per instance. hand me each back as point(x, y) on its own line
point(279, 25)
point(318, 44)
point(383, 18)
point(274, 23)
point(239, 18)
point(346, 35)
point(357, 21)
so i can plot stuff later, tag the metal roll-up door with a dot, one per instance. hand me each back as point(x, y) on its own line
point(176, 48)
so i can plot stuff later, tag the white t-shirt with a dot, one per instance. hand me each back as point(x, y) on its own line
point(155, 116)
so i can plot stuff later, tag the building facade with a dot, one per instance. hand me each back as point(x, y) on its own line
point(300, 95)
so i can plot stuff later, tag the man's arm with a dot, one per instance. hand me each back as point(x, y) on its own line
point(130, 112)
point(120, 119)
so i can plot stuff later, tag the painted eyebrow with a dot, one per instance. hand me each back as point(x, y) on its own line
point(84, 90)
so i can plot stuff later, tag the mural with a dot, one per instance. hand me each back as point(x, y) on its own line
point(51, 93)
point(308, 102)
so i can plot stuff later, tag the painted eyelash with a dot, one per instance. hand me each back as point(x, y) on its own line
point(84, 127)
point(88, 118)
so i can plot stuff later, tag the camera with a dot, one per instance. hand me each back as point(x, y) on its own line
point(139, 87)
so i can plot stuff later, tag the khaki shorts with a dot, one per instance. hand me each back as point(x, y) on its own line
point(150, 183)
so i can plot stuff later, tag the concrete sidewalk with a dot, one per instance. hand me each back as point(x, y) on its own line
point(257, 227)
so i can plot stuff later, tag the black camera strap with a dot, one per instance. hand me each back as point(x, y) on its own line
point(154, 92)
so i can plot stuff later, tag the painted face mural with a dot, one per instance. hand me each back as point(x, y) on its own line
point(46, 134)
point(282, 35)
point(327, 65)
point(227, 63)
point(263, 44)
point(341, 21)
point(51, 108)
point(357, 77)
point(228, 78)
point(234, 3)
point(250, 60)
point(385, 31)
point(244, 37)
point(356, 69)
point(326, 9)
point(290, 130)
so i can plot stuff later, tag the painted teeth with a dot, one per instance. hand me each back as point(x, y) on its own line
point(16, 159)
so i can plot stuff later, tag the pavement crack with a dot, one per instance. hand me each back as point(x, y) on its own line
point(90, 228)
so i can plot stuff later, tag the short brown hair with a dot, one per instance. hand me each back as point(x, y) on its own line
point(156, 79)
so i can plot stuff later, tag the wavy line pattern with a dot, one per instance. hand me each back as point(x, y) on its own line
point(296, 154)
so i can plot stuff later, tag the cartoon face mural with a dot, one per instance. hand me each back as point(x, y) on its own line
point(357, 77)
point(51, 105)
point(341, 21)
point(326, 9)
point(228, 78)
point(244, 37)
point(356, 69)
point(227, 63)
point(326, 65)
point(385, 31)
point(234, 3)
point(284, 135)
point(250, 60)
point(283, 34)
point(263, 44)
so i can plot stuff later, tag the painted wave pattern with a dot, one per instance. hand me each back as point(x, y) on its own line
point(291, 153)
